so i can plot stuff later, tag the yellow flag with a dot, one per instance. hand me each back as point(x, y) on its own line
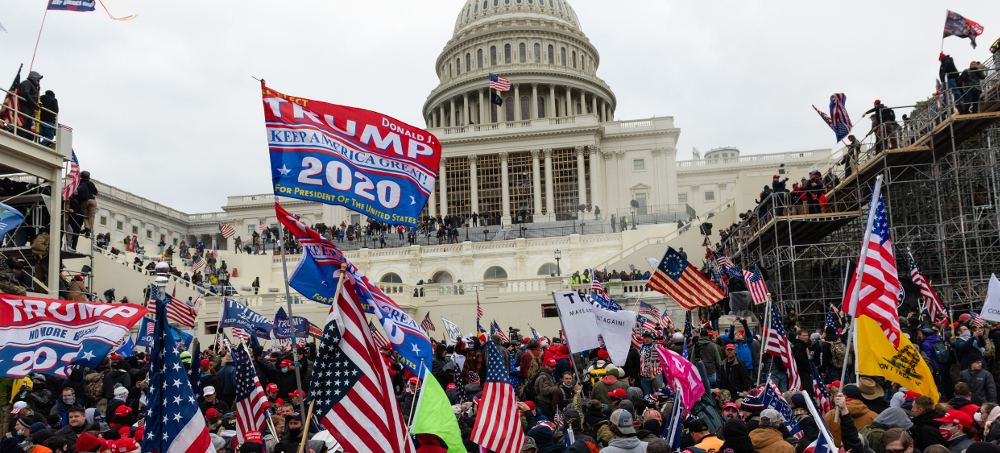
point(905, 366)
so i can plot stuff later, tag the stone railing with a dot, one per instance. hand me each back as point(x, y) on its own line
point(757, 158)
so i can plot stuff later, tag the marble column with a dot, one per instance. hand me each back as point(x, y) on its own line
point(552, 102)
point(570, 111)
point(602, 113)
point(504, 190)
point(581, 182)
point(533, 102)
point(536, 183)
point(549, 198)
point(431, 202)
point(593, 104)
point(451, 121)
point(465, 109)
point(517, 104)
point(473, 184)
point(612, 183)
point(443, 179)
point(583, 102)
point(481, 104)
point(595, 180)
point(441, 122)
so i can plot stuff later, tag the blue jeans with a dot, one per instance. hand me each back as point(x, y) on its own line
point(712, 381)
point(953, 86)
point(780, 378)
point(48, 131)
point(647, 384)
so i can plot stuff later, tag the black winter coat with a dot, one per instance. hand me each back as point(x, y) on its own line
point(925, 430)
point(733, 376)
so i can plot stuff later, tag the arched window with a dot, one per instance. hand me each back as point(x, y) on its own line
point(560, 5)
point(525, 114)
point(493, 55)
point(496, 2)
point(538, 53)
point(495, 272)
point(578, 109)
point(574, 59)
point(391, 278)
point(541, 107)
point(458, 66)
point(449, 70)
point(468, 62)
point(552, 58)
point(485, 4)
point(547, 269)
point(467, 11)
point(479, 56)
point(477, 7)
point(506, 53)
point(522, 52)
point(562, 55)
point(493, 112)
point(509, 103)
point(442, 277)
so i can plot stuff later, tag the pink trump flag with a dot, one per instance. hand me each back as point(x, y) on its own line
point(681, 374)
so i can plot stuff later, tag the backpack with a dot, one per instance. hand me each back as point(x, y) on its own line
point(533, 366)
point(990, 349)
point(838, 350)
point(888, 115)
point(942, 353)
point(93, 387)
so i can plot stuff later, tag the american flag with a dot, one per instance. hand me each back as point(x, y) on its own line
point(934, 306)
point(194, 373)
point(677, 278)
point(227, 230)
point(177, 311)
point(534, 333)
point(667, 322)
point(636, 341)
point(239, 333)
point(150, 327)
point(460, 388)
point(647, 309)
point(479, 309)
point(595, 287)
point(377, 337)
point(830, 320)
point(824, 402)
point(72, 178)
point(251, 403)
point(879, 283)
point(977, 320)
point(215, 253)
point(8, 113)
point(499, 83)
point(756, 285)
point(646, 323)
point(777, 345)
point(198, 263)
point(821, 445)
point(727, 265)
point(841, 120)
point(261, 227)
point(495, 329)
point(174, 423)
point(826, 119)
point(498, 423)
point(351, 388)
point(427, 324)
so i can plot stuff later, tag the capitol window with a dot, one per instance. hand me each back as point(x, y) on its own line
point(477, 7)
point(547, 269)
point(493, 55)
point(682, 198)
point(709, 196)
point(442, 277)
point(562, 55)
point(495, 272)
point(391, 278)
point(639, 164)
point(560, 5)
point(538, 53)
point(149, 234)
point(574, 59)
point(458, 66)
point(468, 62)
point(506, 53)
point(524, 108)
point(521, 51)
point(119, 226)
point(541, 107)
point(135, 229)
point(552, 58)
point(104, 221)
point(479, 55)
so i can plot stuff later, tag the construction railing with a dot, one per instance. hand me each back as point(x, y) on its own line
point(27, 126)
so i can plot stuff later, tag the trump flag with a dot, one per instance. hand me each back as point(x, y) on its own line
point(363, 160)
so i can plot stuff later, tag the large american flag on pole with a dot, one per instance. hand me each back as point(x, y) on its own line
point(499, 83)
point(496, 330)
point(352, 390)
point(934, 306)
point(498, 422)
point(647, 309)
point(177, 311)
point(198, 263)
point(841, 121)
point(72, 178)
point(778, 346)
point(756, 286)
point(227, 230)
point(251, 403)
point(595, 286)
point(677, 278)
point(879, 282)
point(824, 402)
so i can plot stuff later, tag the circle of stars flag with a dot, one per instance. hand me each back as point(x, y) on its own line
point(678, 279)
point(173, 422)
point(353, 394)
point(498, 422)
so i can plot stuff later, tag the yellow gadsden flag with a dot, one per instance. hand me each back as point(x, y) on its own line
point(905, 366)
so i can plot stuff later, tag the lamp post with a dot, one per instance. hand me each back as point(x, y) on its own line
point(558, 257)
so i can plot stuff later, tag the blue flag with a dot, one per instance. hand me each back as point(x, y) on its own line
point(72, 5)
point(146, 334)
point(127, 349)
point(672, 432)
point(282, 327)
point(773, 400)
point(10, 218)
point(194, 373)
point(235, 314)
point(688, 333)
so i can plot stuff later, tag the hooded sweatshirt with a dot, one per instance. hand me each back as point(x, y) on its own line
point(626, 445)
point(769, 440)
point(859, 412)
point(607, 384)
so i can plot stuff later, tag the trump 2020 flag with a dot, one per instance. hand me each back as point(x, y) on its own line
point(72, 5)
point(773, 400)
point(239, 316)
point(47, 336)
point(146, 334)
point(363, 160)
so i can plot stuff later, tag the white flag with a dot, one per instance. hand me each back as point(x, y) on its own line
point(991, 309)
point(578, 320)
point(452, 331)
point(615, 328)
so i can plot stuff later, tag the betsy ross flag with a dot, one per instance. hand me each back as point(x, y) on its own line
point(496, 330)
point(427, 324)
point(778, 346)
point(177, 311)
point(647, 309)
point(174, 424)
point(934, 306)
point(498, 422)
point(879, 284)
point(8, 113)
point(677, 278)
point(251, 403)
point(499, 83)
point(756, 286)
point(72, 178)
point(227, 230)
point(351, 388)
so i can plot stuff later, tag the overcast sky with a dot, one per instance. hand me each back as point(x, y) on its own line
point(164, 106)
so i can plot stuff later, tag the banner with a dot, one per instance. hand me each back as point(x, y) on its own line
point(10, 218)
point(237, 315)
point(72, 5)
point(282, 328)
point(363, 160)
point(579, 323)
point(681, 374)
point(126, 348)
point(452, 332)
point(47, 336)
point(615, 328)
point(146, 334)
point(879, 357)
point(772, 399)
point(991, 309)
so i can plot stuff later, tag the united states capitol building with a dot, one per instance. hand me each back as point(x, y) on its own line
point(555, 144)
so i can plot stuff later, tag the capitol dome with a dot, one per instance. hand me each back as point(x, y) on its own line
point(538, 45)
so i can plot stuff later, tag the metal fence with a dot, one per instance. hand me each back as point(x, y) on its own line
point(26, 126)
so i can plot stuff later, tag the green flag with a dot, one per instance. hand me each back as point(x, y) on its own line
point(435, 415)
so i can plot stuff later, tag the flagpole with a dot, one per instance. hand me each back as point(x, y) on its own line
point(37, 40)
point(416, 400)
point(857, 284)
point(305, 434)
point(815, 413)
point(767, 322)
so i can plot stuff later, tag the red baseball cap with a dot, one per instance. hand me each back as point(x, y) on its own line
point(730, 346)
point(956, 417)
point(834, 384)
point(296, 393)
point(603, 354)
point(551, 362)
point(211, 413)
point(730, 404)
point(123, 410)
point(272, 387)
point(451, 387)
point(531, 405)
point(910, 394)
point(253, 436)
point(205, 364)
point(618, 393)
point(279, 401)
point(970, 410)
point(964, 317)
point(286, 362)
point(124, 445)
point(526, 340)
